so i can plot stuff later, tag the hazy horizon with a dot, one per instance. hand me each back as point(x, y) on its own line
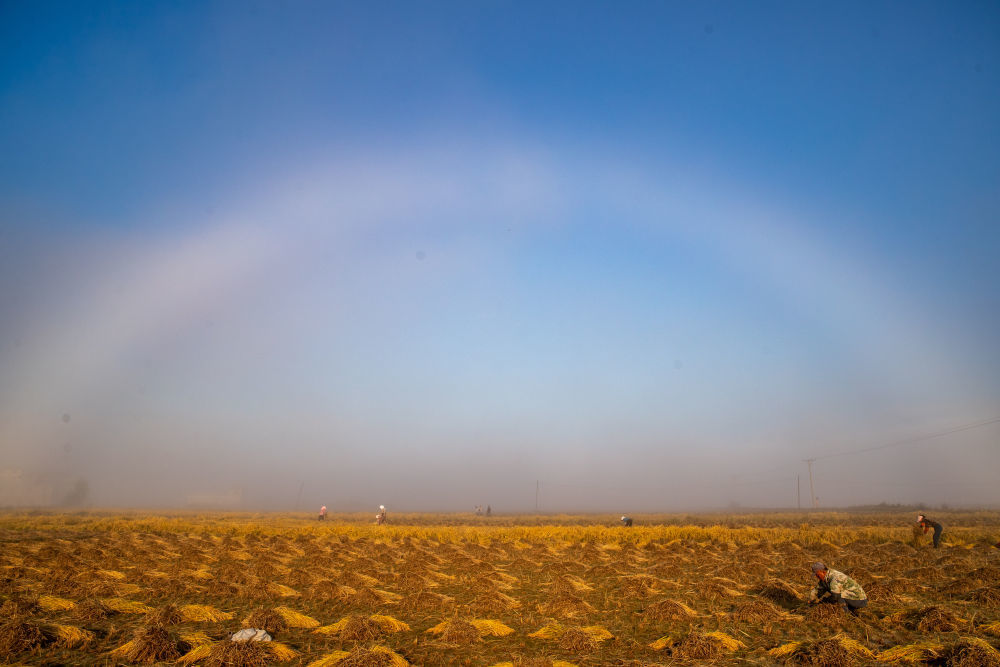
point(653, 256)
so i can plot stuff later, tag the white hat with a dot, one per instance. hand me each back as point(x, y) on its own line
point(623, 517)
point(381, 507)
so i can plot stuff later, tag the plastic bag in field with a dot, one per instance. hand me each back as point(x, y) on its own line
point(251, 635)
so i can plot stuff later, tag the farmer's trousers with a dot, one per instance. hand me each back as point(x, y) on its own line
point(852, 606)
point(937, 535)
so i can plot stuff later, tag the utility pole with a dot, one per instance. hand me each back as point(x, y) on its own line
point(812, 493)
point(798, 490)
point(536, 496)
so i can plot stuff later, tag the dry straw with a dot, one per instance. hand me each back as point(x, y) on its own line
point(203, 613)
point(360, 656)
point(839, 650)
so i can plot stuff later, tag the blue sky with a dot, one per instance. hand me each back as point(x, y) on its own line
point(653, 254)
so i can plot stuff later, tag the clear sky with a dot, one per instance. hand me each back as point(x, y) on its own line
point(425, 254)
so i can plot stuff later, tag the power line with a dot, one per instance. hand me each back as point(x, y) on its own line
point(914, 439)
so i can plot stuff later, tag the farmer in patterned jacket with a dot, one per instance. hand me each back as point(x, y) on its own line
point(837, 588)
point(927, 524)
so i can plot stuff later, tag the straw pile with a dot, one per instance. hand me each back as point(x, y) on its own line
point(777, 591)
point(837, 651)
point(668, 610)
point(972, 652)
point(911, 653)
point(18, 636)
point(360, 656)
point(929, 619)
point(151, 643)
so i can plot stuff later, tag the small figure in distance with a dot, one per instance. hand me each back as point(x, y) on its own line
point(380, 517)
point(627, 520)
point(489, 511)
point(322, 513)
point(927, 524)
point(479, 510)
point(835, 587)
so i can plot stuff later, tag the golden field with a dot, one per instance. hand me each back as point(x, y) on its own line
point(450, 589)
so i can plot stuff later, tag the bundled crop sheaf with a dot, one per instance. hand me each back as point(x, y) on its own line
point(203, 613)
point(123, 606)
point(911, 653)
point(149, 644)
point(238, 654)
point(53, 603)
point(932, 618)
point(362, 656)
point(18, 636)
point(364, 628)
point(972, 652)
point(834, 651)
point(71, 636)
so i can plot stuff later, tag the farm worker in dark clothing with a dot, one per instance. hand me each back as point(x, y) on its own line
point(627, 520)
point(927, 524)
point(837, 588)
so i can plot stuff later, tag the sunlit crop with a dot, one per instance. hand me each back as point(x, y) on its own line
point(133, 588)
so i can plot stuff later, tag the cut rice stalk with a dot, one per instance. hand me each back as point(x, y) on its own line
point(730, 643)
point(53, 603)
point(491, 628)
point(550, 631)
point(390, 624)
point(296, 620)
point(70, 635)
point(123, 606)
point(203, 613)
point(376, 655)
point(282, 591)
point(911, 653)
point(662, 643)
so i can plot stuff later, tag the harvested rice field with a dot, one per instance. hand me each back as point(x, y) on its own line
point(127, 588)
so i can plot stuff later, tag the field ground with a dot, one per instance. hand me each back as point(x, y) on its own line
point(130, 588)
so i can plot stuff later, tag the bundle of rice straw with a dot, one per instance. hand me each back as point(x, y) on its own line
point(53, 603)
point(362, 628)
point(203, 613)
point(972, 652)
point(296, 620)
point(228, 653)
point(556, 630)
point(149, 644)
point(911, 653)
point(837, 650)
point(362, 656)
point(71, 636)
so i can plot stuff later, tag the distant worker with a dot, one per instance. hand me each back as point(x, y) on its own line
point(322, 513)
point(927, 524)
point(479, 510)
point(835, 587)
point(380, 517)
point(627, 520)
point(489, 511)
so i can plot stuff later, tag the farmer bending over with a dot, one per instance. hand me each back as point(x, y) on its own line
point(627, 520)
point(322, 513)
point(837, 588)
point(927, 524)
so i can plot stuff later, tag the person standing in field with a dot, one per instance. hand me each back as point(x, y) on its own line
point(380, 517)
point(627, 521)
point(322, 513)
point(835, 587)
point(927, 524)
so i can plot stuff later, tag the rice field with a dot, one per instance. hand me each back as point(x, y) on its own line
point(129, 588)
